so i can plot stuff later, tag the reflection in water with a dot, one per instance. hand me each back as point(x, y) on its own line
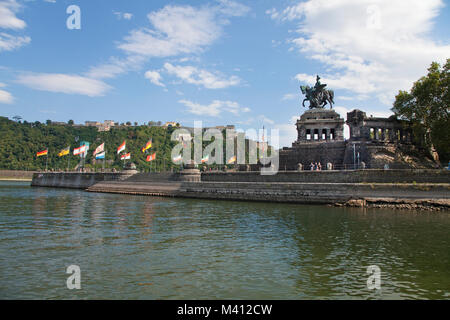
point(132, 247)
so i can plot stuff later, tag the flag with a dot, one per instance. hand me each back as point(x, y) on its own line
point(100, 149)
point(151, 157)
point(79, 150)
point(64, 152)
point(121, 147)
point(147, 146)
point(126, 156)
point(178, 158)
point(205, 159)
point(100, 155)
point(231, 160)
point(42, 153)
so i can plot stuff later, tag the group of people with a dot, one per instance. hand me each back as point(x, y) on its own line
point(316, 166)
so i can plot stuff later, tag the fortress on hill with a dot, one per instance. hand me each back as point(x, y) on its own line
point(374, 143)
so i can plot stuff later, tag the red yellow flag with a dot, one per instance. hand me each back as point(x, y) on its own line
point(147, 146)
point(42, 153)
point(151, 157)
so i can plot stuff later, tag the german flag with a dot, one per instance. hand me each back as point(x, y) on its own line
point(64, 152)
point(147, 146)
point(151, 157)
point(42, 153)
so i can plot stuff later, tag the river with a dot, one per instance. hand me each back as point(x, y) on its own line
point(137, 247)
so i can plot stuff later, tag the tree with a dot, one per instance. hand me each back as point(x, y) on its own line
point(48, 122)
point(427, 107)
point(17, 118)
point(70, 122)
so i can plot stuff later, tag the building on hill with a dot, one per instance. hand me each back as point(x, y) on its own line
point(91, 123)
point(170, 124)
point(105, 126)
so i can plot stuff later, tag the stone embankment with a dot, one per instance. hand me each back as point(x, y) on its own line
point(359, 189)
point(17, 175)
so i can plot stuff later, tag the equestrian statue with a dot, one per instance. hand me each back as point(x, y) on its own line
point(317, 96)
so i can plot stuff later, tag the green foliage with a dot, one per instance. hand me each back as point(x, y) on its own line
point(21, 142)
point(427, 107)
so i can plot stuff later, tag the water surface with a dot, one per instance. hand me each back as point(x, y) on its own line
point(137, 247)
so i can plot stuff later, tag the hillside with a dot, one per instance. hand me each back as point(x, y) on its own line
point(21, 141)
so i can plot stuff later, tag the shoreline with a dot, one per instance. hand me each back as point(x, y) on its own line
point(335, 189)
point(16, 179)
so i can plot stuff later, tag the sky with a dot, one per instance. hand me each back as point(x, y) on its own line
point(220, 62)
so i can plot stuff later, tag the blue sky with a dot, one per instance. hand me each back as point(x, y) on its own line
point(222, 62)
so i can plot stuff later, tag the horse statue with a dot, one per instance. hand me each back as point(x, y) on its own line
point(317, 96)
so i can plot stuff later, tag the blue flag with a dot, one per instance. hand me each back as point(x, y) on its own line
point(100, 156)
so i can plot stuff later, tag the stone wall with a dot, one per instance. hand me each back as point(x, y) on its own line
point(421, 195)
point(351, 176)
point(313, 193)
point(323, 152)
point(73, 180)
point(16, 174)
point(154, 177)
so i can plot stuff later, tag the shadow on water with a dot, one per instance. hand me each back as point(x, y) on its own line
point(135, 247)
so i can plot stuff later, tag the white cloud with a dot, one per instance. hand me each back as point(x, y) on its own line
point(205, 78)
point(50, 1)
point(366, 48)
point(154, 77)
point(232, 8)
point(174, 30)
point(215, 108)
point(181, 29)
point(123, 15)
point(116, 66)
point(9, 42)
point(287, 132)
point(127, 16)
point(8, 19)
point(5, 96)
point(63, 83)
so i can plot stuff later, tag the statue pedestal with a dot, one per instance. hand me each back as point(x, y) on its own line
point(319, 125)
point(190, 174)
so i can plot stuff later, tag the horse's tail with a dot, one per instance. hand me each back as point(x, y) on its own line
point(331, 95)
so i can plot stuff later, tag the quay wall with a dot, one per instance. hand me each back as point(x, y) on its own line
point(335, 176)
point(16, 174)
point(75, 180)
point(401, 196)
point(312, 193)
